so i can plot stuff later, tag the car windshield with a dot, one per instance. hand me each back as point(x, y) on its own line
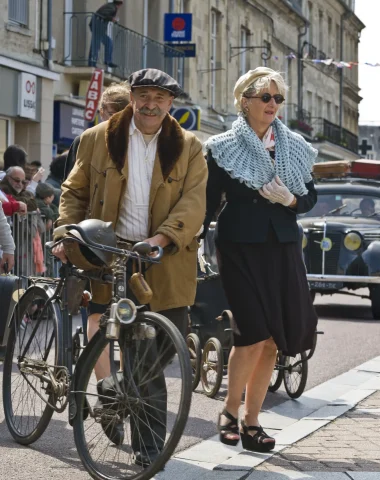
point(345, 204)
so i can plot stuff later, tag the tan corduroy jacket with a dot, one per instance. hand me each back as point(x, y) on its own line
point(96, 186)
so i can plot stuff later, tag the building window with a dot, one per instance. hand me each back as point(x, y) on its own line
point(320, 28)
point(310, 103)
point(329, 36)
point(319, 107)
point(243, 56)
point(310, 18)
point(213, 55)
point(329, 112)
point(337, 42)
point(18, 12)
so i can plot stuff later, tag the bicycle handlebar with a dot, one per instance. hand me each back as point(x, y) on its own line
point(141, 249)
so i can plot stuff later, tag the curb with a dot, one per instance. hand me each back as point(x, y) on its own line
point(288, 422)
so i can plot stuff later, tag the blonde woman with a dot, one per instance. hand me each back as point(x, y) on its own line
point(264, 169)
point(114, 99)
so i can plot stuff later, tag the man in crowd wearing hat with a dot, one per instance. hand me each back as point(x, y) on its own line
point(141, 171)
point(99, 25)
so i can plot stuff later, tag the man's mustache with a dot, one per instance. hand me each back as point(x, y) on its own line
point(146, 111)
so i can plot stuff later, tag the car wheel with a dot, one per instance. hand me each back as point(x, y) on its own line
point(374, 295)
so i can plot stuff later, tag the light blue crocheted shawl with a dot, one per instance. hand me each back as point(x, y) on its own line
point(242, 154)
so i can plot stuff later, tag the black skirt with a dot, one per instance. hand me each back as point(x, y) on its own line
point(267, 290)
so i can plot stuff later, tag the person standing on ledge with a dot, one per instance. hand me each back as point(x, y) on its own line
point(99, 25)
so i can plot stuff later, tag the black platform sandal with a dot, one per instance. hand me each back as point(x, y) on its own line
point(230, 428)
point(255, 443)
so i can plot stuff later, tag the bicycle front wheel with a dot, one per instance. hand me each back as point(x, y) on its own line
point(129, 423)
point(31, 357)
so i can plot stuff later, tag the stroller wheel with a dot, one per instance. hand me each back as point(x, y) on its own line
point(277, 375)
point(212, 367)
point(195, 351)
point(295, 377)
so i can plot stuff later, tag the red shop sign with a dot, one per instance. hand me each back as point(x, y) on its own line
point(93, 94)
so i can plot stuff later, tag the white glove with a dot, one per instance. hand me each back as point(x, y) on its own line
point(277, 192)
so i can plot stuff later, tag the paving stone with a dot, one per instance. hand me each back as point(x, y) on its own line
point(353, 378)
point(364, 476)
point(286, 475)
point(298, 431)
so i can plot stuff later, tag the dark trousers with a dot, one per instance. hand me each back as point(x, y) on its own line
point(149, 425)
point(99, 36)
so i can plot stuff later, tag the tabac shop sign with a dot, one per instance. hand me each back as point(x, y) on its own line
point(27, 96)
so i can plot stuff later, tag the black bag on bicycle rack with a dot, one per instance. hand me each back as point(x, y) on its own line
point(10, 292)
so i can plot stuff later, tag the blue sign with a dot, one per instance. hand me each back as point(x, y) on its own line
point(186, 50)
point(177, 27)
point(69, 122)
point(188, 118)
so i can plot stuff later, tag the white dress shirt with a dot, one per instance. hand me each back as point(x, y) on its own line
point(134, 210)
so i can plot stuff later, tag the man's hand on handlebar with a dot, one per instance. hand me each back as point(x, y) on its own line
point(159, 240)
point(59, 252)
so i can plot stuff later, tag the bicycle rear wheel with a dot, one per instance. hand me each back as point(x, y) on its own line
point(154, 374)
point(32, 350)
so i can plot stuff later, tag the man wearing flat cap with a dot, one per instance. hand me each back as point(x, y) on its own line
point(144, 173)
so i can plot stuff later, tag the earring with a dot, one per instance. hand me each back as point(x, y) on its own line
point(245, 111)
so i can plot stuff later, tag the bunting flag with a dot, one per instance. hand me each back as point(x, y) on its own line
point(328, 61)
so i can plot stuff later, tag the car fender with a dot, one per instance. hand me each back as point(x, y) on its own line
point(371, 258)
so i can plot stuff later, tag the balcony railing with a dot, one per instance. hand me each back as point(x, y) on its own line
point(325, 130)
point(296, 119)
point(92, 41)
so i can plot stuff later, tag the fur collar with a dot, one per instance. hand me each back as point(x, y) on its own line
point(169, 146)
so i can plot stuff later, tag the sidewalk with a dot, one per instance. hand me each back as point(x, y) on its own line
point(332, 432)
point(349, 444)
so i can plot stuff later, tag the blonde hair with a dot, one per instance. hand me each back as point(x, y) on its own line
point(255, 81)
point(117, 95)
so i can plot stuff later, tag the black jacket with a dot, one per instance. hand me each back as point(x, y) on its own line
point(246, 215)
point(107, 12)
point(71, 157)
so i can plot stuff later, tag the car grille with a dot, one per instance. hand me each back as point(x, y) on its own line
point(371, 236)
point(331, 257)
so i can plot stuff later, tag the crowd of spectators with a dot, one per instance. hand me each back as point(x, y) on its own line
point(30, 205)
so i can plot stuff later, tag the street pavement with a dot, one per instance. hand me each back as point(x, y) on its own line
point(350, 339)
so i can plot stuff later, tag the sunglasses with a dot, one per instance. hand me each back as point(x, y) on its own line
point(267, 97)
point(17, 180)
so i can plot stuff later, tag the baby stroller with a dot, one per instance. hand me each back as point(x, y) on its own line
point(210, 340)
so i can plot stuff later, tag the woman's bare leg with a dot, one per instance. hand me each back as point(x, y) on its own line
point(241, 364)
point(258, 382)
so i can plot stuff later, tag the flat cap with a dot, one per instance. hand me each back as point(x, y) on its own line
point(150, 77)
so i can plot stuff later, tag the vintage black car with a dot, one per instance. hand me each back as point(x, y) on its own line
point(341, 240)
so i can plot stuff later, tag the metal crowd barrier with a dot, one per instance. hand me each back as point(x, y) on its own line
point(32, 257)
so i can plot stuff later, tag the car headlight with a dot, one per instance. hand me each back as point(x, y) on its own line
point(126, 311)
point(304, 241)
point(352, 241)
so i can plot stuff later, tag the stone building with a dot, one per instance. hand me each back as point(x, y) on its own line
point(26, 81)
point(231, 37)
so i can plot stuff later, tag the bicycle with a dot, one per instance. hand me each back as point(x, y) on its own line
point(39, 380)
